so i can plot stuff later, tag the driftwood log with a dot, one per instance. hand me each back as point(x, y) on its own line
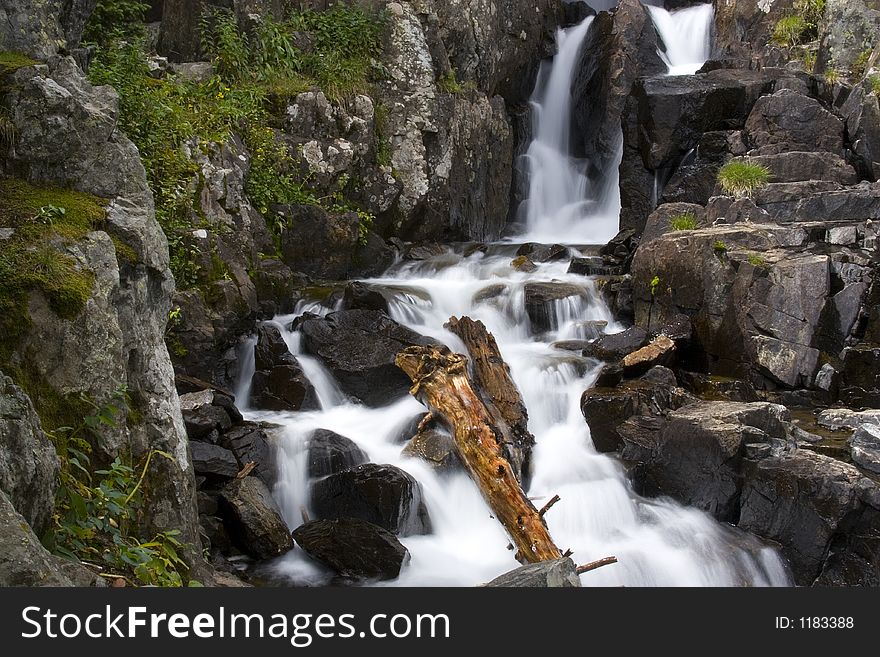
point(498, 391)
point(441, 382)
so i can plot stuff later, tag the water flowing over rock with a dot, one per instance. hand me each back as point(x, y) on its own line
point(358, 347)
point(330, 453)
point(279, 382)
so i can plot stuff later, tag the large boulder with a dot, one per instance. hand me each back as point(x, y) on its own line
point(330, 453)
point(865, 448)
point(353, 548)
point(808, 502)
point(28, 462)
point(251, 443)
point(789, 121)
point(253, 519)
point(213, 461)
point(279, 383)
point(23, 559)
point(850, 26)
point(38, 28)
point(546, 574)
point(615, 346)
point(799, 166)
point(696, 456)
point(382, 494)
point(359, 348)
point(764, 305)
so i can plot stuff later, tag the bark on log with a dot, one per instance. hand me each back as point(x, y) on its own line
point(498, 391)
point(441, 382)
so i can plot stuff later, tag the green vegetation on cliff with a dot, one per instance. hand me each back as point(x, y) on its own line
point(254, 75)
point(40, 222)
point(742, 178)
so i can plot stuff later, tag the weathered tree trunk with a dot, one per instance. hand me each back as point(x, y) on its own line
point(499, 392)
point(441, 382)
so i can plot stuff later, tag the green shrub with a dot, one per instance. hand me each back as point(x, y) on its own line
point(790, 31)
point(449, 84)
point(684, 221)
point(115, 19)
point(719, 246)
point(743, 178)
point(757, 260)
point(96, 511)
point(655, 283)
point(874, 81)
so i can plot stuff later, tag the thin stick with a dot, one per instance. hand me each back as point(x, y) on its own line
point(546, 507)
point(587, 567)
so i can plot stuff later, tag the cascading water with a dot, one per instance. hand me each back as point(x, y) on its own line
point(657, 542)
point(562, 201)
point(687, 36)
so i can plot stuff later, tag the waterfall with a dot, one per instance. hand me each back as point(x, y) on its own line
point(657, 541)
point(563, 204)
point(686, 34)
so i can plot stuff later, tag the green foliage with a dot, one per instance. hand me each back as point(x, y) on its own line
point(44, 221)
point(743, 178)
point(8, 130)
point(115, 19)
point(812, 11)
point(860, 65)
point(832, 76)
point(655, 283)
point(449, 83)
point(96, 512)
point(757, 260)
point(874, 81)
point(719, 247)
point(683, 221)
point(165, 118)
point(790, 31)
point(10, 62)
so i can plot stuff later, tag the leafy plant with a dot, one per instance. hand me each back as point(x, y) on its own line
point(115, 19)
point(96, 511)
point(832, 76)
point(743, 178)
point(874, 81)
point(684, 221)
point(450, 84)
point(790, 31)
point(655, 283)
point(719, 247)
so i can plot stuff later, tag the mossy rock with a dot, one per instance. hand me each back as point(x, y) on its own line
point(10, 62)
point(39, 223)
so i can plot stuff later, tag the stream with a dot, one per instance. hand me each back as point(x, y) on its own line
point(658, 542)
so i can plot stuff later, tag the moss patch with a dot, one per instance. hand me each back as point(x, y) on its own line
point(10, 62)
point(55, 410)
point(43, 221)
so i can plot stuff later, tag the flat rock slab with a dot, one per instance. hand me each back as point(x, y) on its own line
point(560, 573)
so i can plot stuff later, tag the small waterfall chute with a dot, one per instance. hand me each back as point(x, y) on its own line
point(686, 35)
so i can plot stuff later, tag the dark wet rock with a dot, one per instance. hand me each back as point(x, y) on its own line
point(571, 345)
point(353, 548)
point(546, 574)
point(865, 447)
point(359, 348)
point(713, 388)
point(593, 266)
point(330, 453)
point(490, 294)
point(790, 121)
point(860, 375)
point(29, 466)
point(436, 447)
point(541, 300)
point(609, 376)
point(279, 383)
point(696, 456)
point(250, 443)
point(861, 113)
point(201, 416)
point(213, 461)
point(253, 519)
point(382, 494)
point(543, 252)
point(617, 345)
point(730, 210)
point(621, 247)
point(605, 409)
point(806, 502)
point(361, 296)
point(23, 559)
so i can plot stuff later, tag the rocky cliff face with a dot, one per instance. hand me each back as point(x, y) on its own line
point(66, 137)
